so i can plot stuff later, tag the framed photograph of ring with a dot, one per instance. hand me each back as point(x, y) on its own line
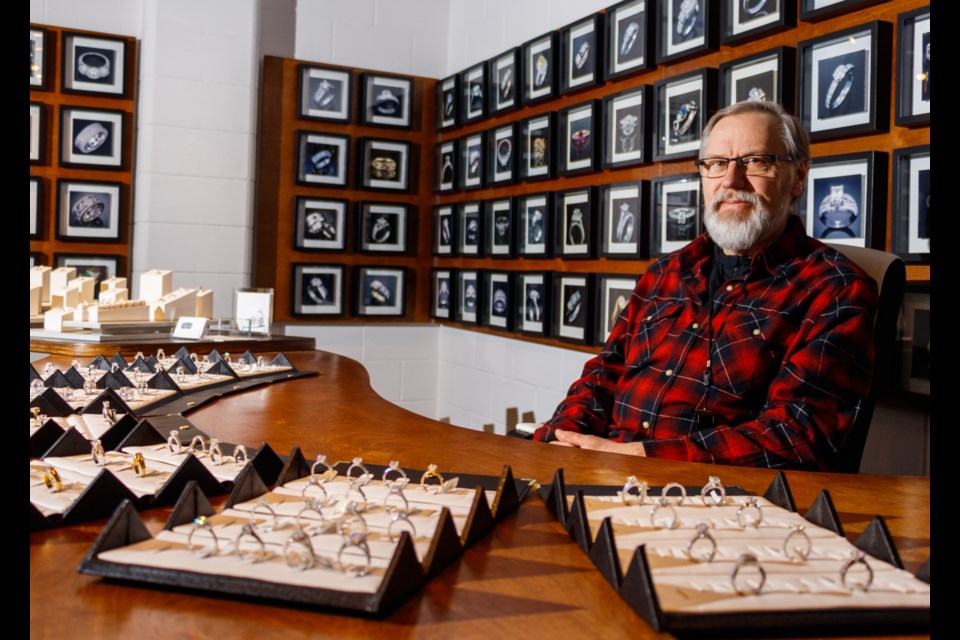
point(446, 162)
point(500, 154)
point(97, 266)
point(37, 129)
point(536, 141)
point(503, 73)
point(674, 212)
point(498, 233)
point(253, 310)
point(36, 208)
point(914, 332)
point(448, 102)
point(913, 68)
point(380, 291)
point(93, 64)
point(325, 93)
point(382, 227)
point(89, 210)
point(612, 294)
point(317, 290)
point(534, 225)
point(842, 81)
point(386, 100)
point(38, 58)
point(469, 228)
point(471, 161)
point(622, 219)
point(625, 119)
point(498, 300)
point(845, 199)
point(473, 86)
point(684, 103)
point(444, 228)
point(572, 303)
point(533, 291)
point(92, 137)
point(685, 28)
point(540, 63)
point(816, 10)
point(580, 54)
point(320, 224)
point(767, 75)
point(628, 38)
point(385, 164)
point(578, 147)
point(322, 158)
point(910, 235)
point(36, 259)
point(744, 20)
point(442, 293)
point(576, 222)
point(467, 288)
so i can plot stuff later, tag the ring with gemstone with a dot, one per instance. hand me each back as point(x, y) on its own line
point(201, 524)
point(394, 467)
point(633, 483)
point(748, 507)
point(702, 539)
point(797, 544)
point(99, 455)
point(174, 443)
point(256, 555)
point(401, 517)
point(857, 557)
point(741, 583)
point(312, 504)
point(357, 463)
point(431, 472)
point(713, 493)
point(197, 445)
point(297, 559)
point(663, 505)
point(675, 485)
point(264, 505)
point(216, 454)
point(240, 454)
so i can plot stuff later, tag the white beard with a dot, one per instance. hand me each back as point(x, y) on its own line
point(738, 236)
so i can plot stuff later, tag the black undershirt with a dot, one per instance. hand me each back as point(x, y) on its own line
point(723, 268)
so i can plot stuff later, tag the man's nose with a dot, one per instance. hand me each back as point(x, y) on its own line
point(736, 176)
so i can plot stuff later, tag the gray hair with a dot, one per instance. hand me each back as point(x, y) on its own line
point(792, 131)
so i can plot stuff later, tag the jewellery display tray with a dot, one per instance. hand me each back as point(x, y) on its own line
point(403, 575)
point(638, 588)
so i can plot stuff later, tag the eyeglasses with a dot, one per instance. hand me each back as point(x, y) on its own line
point(759, 165)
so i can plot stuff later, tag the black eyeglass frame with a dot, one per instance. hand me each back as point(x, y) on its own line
point(740, 162)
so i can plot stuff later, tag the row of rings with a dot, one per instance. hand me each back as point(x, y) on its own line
point(796, 545)
point(749, 514)
point(198, 446)
point(713, 493)
point(748, 562)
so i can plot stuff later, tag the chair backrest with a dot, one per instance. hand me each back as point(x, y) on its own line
point(891, 275)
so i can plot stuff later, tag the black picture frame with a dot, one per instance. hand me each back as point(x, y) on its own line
point(817, 10)
point(845, 199)
point(843, 81)
point(470, 228)
point(90, 210)
point(499, 218)
point(385, 164)
point(468, 308)
point(628, 38)
point(93, 65)
point(92, 138)
point(541, 61)
point(383, 227)
point(914, 340)
point(572, 302)
point(675, 212)
point(533, 292)
point(685, 28)
point(537, 136)
point(623, 216)
point(498, 300)
point(575, 223)
point(443, 296)
point(317, 289)
point(744, 20)
point(578, 133)
point(379, 291)
point(38, 133)
point(612, 293)
point(534, 225)
point(98, 266)
point(326, 93)
point(767, 75)
point(386, 100)
point(501, 155)
point(626, 121)
point(683, 104)
point(444, 230)
point(473, 96)
point(913, 68)
point(323, 159)
point(36, 259)
point(447, 160)
point(581, 54)
point(503, 80)
point(40, 45)
point(320, 224)
point(36, 208)
point(471, 165)
point(448, 103)
point(911, 221)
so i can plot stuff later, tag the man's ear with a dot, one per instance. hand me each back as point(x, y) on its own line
point(803, 167)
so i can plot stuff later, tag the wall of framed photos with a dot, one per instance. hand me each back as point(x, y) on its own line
point(83, 87)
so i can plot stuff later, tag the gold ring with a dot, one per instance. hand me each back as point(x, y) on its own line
point(139, 465)
point(51, 479)
point(431, 472)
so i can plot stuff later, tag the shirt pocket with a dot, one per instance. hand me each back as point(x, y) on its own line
point(747, 356)
point(656, 336)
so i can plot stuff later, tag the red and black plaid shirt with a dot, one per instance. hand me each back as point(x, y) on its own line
point(791, 359)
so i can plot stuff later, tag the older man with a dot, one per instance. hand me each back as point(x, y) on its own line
point(753, 344)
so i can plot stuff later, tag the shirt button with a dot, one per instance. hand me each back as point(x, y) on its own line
point(729, 287)
point(648, 318)
point(646, 424)
point(696, 325)
point(669, 372)
point(756, 332)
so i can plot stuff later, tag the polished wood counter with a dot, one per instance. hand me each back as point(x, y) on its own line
point(527, 579)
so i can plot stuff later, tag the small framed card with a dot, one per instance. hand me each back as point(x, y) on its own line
point(36, 208)
point(628, 30)
point(503, 78)
point(322, 158)
point(534, 225)
point(684, 103)
point(540, 62)
point(467, 296)
point(442, 294)
point(93, 64)
point(471, 161)
point(387, 100)
point(382, 227)
point(447, 160)
point(498, 228)
point(498, 300)
point(473, 85)
point(317, 290)
point(576, 222)
point(320, 224)
point(913, 68)
point(253, 310)
point(626, 116)
point(910, 237)
point(764, 76)
point(38, 58)
point(500, 154)
point(914, 333)
point(380, 291)
point(613, 293)
point(572, 304)
point(536, 138)
point(189, 328)
point(845, 199)
point(325, 93)
point(468, 225)
point(91, 137)
point(100, 267)
point(89, 210)
point(448, 103)
point(37, 129)
point(578, 147)
point(444, 230)
point(580, 50)
point(674, 212)
point(748, 19)
point(622, 219)
point(685, 28)
point(533, 291)
point(385, 164)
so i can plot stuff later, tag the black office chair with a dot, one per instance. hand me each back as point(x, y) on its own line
point(891, 275)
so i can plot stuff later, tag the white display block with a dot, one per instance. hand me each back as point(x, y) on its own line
point(114, 283)
point(204, 303)
point(110, 296)
point(53, 319)
point(60, 278)
point(36, 299)
point(128, 311)
point(67, 298)
point(155, 284)
point(182, 302)
point(86, 285)
point(40, 275)
point(79, 313)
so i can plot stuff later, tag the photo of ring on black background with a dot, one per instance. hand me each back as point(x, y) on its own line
point(533, 302)
point(675, 212)
point(471, 161)
point(683, 105)
point(538, 67)
point(911, 217)
point(844, 91)
point(501, 154)
point(838, 200)
point(320, 223)
point(91, 137)
point(581, 59)
point(536, 136)
point(325, 93)
point(447, 93)
point(535, 225)
point(750, 19)
point(575, 222)
point(443, 230)
point(473, 102)
point(683, 109)
point(503, 78)
point(385, 164)
point(468, 296)
point(578, 142)
point(498, 236)
point(571, 303)
point(93, 64)
point(88, 210)
point(497, 300)
point(322, 158)
point(386, 100)
point(446, 159)
point(469, 226)
point(913, 68)
point(687, 20)
point(442, 296)
point(841, 196)
point(381, 291)
point(383, 227)
point(765, 76)
point(613, 294)
point(317, 289)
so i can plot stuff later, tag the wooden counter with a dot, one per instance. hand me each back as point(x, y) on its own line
point(527, 579)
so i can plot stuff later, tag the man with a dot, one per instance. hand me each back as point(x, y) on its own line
point(753, 344)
